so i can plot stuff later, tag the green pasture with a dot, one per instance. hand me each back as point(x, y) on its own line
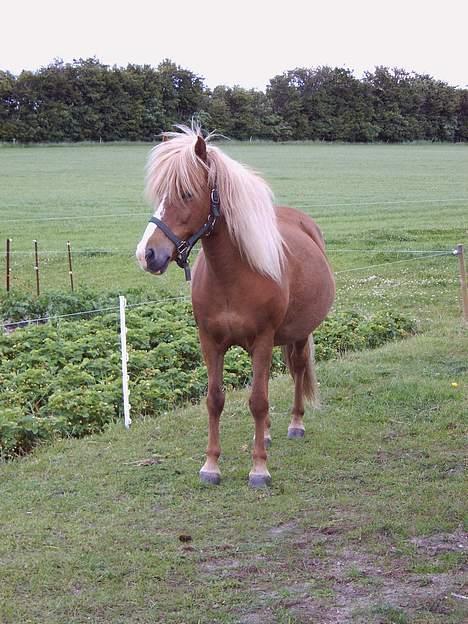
point(375, 199)
point(366, 520)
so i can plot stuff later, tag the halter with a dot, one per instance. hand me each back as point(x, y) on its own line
point(184, 247)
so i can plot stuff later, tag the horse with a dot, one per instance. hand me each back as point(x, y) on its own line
point(261, 278)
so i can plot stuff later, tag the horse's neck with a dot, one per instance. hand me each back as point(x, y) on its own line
point(222, 256)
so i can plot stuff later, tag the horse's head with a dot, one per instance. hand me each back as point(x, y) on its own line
point(177, 186)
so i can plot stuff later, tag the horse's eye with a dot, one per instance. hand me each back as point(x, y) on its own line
point(187, 196)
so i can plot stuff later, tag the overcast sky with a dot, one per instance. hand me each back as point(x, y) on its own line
point(244, 42)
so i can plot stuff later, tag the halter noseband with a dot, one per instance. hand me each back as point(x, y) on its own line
point(184, 247)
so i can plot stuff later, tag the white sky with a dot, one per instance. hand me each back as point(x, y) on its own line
point(244, 42)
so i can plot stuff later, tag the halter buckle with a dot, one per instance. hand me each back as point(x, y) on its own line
point(182, 247)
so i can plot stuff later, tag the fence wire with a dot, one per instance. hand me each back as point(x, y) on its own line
point(384, 264)
point(130, 252)
point(35, 321)
point(395, 202)
point(43, 319)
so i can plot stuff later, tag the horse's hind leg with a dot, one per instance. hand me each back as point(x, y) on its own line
point(267, 432)
point(214, 359)
point(300, 360)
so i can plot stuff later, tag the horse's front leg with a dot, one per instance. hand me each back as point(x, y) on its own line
point(214, 360)
point(258, 402)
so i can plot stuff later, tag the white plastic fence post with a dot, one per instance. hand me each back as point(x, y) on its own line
point(123, 348)
point(460, 252)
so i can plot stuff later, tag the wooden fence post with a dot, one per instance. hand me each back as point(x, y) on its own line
point(460, 252)
point(70, 267)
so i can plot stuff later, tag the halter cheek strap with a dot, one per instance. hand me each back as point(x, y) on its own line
point(184, 247)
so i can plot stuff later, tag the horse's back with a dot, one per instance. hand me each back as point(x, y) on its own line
point(295, 219)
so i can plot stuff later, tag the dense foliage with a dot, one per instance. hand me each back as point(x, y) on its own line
point(89, 101)
point(63, 378)
point(17, 307)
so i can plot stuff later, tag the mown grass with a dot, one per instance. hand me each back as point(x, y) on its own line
point(373, 198)
point(117, 528)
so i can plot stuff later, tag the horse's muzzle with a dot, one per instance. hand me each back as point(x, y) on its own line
point(157, 261)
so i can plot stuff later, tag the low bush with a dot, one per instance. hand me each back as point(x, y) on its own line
point(63, 378)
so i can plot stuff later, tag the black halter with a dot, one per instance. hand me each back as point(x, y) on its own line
point(184, 247)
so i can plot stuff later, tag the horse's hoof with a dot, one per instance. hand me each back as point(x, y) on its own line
point(213, 478)
point(295, 432)
point(259, 480)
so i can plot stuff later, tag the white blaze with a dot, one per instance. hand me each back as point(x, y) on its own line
point(150, 229)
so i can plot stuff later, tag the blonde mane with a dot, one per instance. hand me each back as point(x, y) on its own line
point(174, 169)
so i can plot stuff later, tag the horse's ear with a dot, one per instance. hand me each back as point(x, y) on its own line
point(200, 148)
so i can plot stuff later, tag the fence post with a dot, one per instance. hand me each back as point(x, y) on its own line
point(8, 264)
point(123, 348)
point(36, 267)
point(70, 267)
point(460, 252)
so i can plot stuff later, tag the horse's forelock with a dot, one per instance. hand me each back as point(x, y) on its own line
point(174, 169)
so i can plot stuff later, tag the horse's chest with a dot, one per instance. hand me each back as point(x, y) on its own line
point(238, 314)
point(229, 327)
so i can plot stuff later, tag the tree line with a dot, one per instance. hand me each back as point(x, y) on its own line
point(89, 101)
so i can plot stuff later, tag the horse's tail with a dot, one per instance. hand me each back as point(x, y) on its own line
point(310, 384)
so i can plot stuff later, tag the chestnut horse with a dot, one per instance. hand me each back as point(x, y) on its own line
point(261, 279)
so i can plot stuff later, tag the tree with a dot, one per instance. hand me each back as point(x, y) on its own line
point(410, 106)
point(8, 107)
point(285, 95)
point(182, 93)
point(88, 101)
point(461, 132)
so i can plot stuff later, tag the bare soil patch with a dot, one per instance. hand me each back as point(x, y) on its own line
point(325, 576)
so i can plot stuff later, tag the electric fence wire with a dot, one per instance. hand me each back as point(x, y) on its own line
point(75, 217)
point(97, 251)
point(44, 319)
point(34, 321)
point(384, 264)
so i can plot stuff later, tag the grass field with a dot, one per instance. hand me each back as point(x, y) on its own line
point(364, 523)
point(374, 198)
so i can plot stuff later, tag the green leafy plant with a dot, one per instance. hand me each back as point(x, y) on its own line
point(63, 378)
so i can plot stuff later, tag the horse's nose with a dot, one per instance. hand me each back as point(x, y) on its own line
point(149, 254)
point(156, 260)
